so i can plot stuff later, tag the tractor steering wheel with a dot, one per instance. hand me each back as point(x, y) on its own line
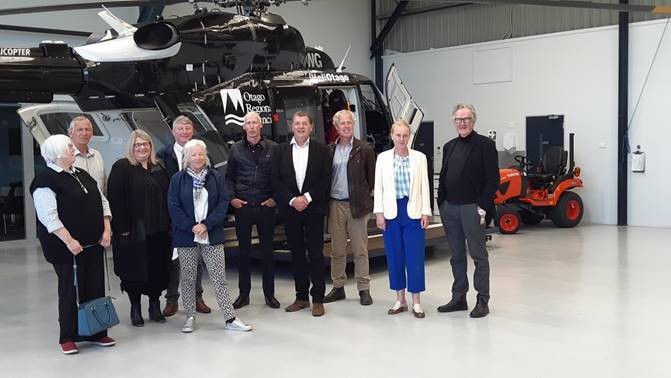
point(522, 162)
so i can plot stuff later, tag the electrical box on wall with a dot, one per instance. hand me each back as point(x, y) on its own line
point(638, 160)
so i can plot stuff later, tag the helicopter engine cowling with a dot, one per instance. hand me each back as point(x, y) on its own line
point(156, 36)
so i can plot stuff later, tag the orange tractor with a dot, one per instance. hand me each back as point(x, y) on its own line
point(531, 192)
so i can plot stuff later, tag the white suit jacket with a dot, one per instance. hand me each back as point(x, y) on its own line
point(385, 189)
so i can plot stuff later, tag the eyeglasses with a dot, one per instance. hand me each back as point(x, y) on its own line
point(142, 144)
point(463, 120)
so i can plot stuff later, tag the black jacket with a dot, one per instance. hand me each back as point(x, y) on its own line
point(167, 155)
point(481, 169)
point(360, 177)
point(317, 178)
point(248, 179)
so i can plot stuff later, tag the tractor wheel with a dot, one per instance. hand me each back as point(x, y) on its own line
point(530, 218)
point(508, 220)
point(569, 210)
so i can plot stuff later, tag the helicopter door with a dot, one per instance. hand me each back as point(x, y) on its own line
point(110, 131)
point(401, 105)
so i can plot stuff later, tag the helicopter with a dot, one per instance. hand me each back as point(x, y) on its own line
point(213, 66)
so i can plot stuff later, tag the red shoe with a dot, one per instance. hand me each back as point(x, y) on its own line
point(105, 341)
point(69, 347)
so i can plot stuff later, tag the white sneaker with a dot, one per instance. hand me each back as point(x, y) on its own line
point(238, 325)
point(189, 325)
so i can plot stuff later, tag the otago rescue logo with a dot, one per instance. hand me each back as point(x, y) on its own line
point(237, 104)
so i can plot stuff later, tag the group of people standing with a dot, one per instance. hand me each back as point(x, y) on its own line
point(165, 216)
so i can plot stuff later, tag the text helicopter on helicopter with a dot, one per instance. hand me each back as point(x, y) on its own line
point(213, 66)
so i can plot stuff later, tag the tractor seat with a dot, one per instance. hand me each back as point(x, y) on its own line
point(554, 164)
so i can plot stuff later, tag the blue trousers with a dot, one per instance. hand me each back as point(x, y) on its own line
point(404, 245)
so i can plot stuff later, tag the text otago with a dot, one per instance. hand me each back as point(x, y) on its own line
point(11, 51)
point(329, 77)
point(256, 100)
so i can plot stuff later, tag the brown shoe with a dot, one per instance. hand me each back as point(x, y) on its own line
point(398, 308)
point(297, 306)
point(318, 309)
point(202, 307)
point(170, 309)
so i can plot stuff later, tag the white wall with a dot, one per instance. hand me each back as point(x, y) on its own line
point(334, 25)
point(571, 73)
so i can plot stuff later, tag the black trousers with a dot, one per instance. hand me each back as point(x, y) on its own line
point(305, 233)
point(90, 276)
point(264, 219)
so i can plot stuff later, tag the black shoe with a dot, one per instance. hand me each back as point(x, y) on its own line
point(272, 302)
point(456, 304)
point(241, 301)
point(136, 316)
point(155, 311)
point(336, 294)
point(481, 310)
point(364, 298)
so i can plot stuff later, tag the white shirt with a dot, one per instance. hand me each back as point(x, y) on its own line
point(46, 206)
point(179, 153)
point(300, 160)
point(95, 166)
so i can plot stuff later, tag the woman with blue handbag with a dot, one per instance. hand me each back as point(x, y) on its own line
point(74, 220)
point(198, 201)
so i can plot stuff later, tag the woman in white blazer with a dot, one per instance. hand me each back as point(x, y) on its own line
point(402, 208)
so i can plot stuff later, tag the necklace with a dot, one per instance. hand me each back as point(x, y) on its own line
point(73, 173)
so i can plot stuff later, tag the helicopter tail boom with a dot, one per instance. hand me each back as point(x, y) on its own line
point(36, 74)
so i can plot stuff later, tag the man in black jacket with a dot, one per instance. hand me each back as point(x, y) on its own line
point(468, 181)
point(248, 176)
point(301, 182)
point(171, 155)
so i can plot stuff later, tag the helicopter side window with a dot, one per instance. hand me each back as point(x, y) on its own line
point(151, 121)
point(291, 100)
point(377, 121)
point(58, 123)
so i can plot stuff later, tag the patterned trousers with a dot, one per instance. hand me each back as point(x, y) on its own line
point(213, 256)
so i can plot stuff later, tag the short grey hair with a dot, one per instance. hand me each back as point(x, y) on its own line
point(400, 123)
point(80, 118)
point(253, 114)
point(465, 106)
point(182, 120)
point(340, 113)
point(55, 147)
point(193, 143)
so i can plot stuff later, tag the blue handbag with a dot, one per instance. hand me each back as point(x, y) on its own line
point(97, 314)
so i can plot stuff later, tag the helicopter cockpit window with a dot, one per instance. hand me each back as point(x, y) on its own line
point(289, 101)
point(377, 121)
point(205, 131)
point(58, 123)
point(151, 121)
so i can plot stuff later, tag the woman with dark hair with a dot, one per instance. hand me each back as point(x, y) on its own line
point(74, 225)
point(137, 189)
point(198, 200)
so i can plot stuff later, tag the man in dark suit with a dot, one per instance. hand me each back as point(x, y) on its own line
point(301, 181)
point(171, 155)
point(468, 181)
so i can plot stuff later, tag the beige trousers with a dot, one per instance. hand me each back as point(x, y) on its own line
point(342, 226)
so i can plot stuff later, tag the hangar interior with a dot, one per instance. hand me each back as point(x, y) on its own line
point(583, 301)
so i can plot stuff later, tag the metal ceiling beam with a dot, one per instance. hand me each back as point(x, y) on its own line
point(379, 41)
point(427, 10)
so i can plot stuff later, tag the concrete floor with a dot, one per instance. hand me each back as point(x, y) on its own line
point(586, 302)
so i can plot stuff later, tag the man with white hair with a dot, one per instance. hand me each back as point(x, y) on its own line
point(80, 131)
point(171, 155)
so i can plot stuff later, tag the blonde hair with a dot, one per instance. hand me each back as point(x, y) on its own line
point(187, 151)
point(130, 154)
